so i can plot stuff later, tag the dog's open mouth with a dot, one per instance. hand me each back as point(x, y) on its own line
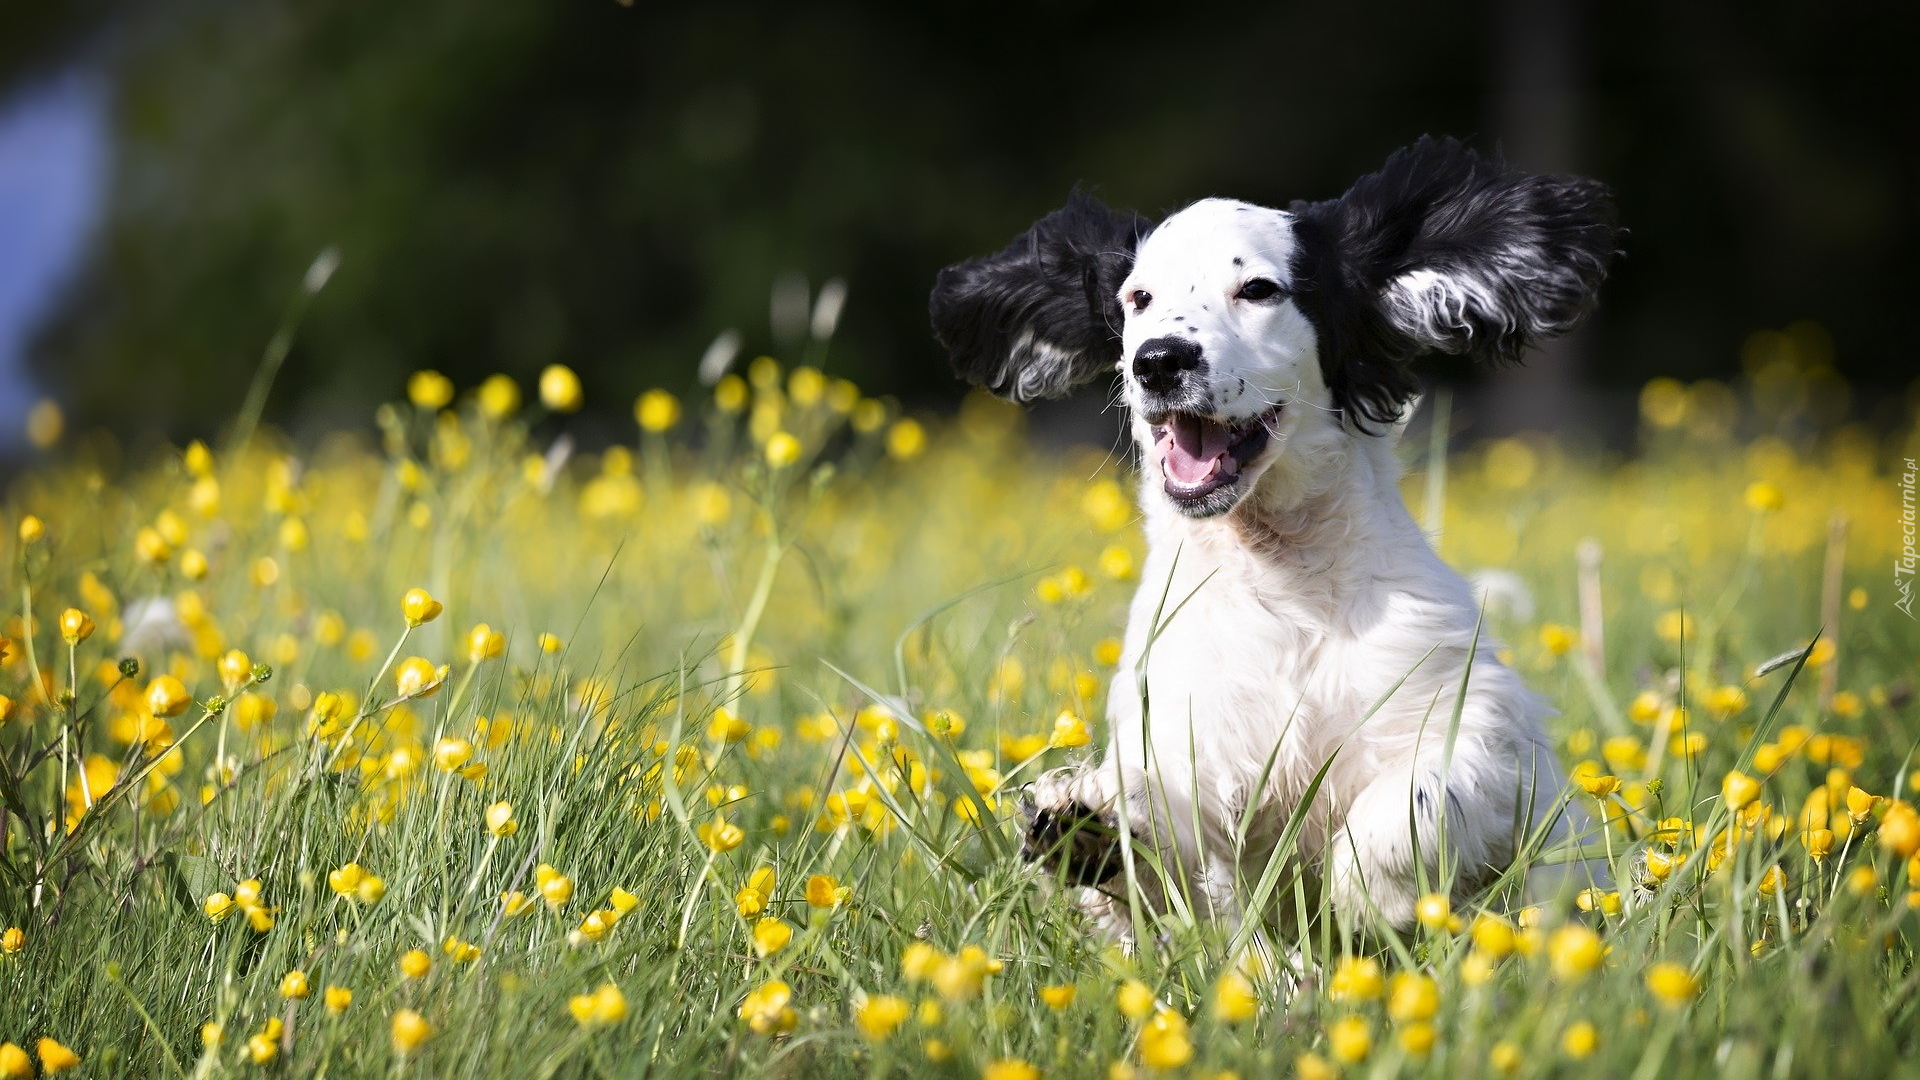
point(1202, 455)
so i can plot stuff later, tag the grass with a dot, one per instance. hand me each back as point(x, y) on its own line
point(788, 629)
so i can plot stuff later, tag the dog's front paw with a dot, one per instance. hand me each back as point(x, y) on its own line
point(1062, 831)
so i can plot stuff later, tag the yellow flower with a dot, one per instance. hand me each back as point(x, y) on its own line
point(429, 390)
point(782, 450)
point(560, 389)
point(1605, 901)
point(1764, 498)
point(1672, 984)
point(1860, 805)
point(1349, 1040)
point(1417, 1038)
point(1862, 881)
point(906, 439)
point(604, 1006)
point(1434, 911)
point(1234, 999)
point(771, 935)
point(1738, 789)
point(722, 835)
point(499, 819)
point(32, 529)
point(919, 961)
point(217, 906)
point(484, 643)
point(1579, 1040)
point(1492, 935)
point(75, 626)
point(1311, 1066)
point(1772, 881)
point(1819, 843)
point(1574, 950)
point(1598, 785)
point(1134, 999)
point(766, 1009)
point(14, 1063)
point(879, 1016)
point(293, 985)
point(1163, 1041)
point(555, 887)
point(1356, 979)
point(460, 952)
point(13, 940)
point(450, 752)
point(415, 963)
point(1414, 997)
point(419, 607)
point(338, 999)
point(1009, 1069)
point(962, 975)
point(167, 696)
point(824, 891)
point(417, 677)
point(150, 547)
point(1505, 1058)
point(1726, 701)
point(55, 1057)
point(410, 1030)
point(1900, 829)
point(1069, 731)
point(499, 397)
point(1059, 996)
point(516, 903)
point(1558, 640)
point(262, 1048)
point(656, 411)
point(727, 728)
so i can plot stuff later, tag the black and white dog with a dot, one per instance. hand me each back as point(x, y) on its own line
point(1265, 356)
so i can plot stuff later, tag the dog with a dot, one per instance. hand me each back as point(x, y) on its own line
point(1294, 632)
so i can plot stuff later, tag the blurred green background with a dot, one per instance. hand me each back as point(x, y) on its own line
point(516, 182)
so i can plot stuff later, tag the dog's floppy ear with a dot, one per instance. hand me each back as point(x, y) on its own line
point(1444, 250)
point(1041, 317)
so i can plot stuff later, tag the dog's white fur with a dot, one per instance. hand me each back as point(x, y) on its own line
point(1268, 632)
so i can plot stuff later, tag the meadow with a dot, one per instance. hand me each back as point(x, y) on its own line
point(450, 749)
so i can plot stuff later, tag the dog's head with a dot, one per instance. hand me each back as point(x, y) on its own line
point(1233, 326)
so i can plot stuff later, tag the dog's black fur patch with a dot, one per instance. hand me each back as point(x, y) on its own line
point(1531, 251)
point(1083, 848)
point(1042, 316)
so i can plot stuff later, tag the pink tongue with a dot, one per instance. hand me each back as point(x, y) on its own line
point(1196, 449)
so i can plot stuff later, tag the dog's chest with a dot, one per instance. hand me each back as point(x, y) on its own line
point(1229, 644)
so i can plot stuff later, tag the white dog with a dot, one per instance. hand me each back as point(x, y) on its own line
point(1290, 611)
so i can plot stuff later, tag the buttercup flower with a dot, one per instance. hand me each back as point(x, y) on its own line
point(167, 696)
point(75, 626)
point(879, 1016)
point(419, 607)
point(606, 1005)
point(560, 389)
point(410, 1031)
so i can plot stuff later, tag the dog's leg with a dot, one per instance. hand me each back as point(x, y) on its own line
point(1074, 826)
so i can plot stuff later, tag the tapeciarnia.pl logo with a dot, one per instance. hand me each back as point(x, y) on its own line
point(1903, 567)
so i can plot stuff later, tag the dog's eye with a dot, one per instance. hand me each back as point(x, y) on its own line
point(1140, 298)
point(1258, 289)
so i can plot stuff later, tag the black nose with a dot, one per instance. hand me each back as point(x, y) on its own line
point(1162, 360)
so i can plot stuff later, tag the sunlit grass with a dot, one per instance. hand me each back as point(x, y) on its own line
point(452, 752)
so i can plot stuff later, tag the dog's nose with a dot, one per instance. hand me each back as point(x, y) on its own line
point(1161, 361)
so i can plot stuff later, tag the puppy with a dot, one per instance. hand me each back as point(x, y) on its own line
point(1292, 624)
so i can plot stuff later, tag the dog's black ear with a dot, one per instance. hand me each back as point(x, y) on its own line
point(1041, 317)
point(1444, 250)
